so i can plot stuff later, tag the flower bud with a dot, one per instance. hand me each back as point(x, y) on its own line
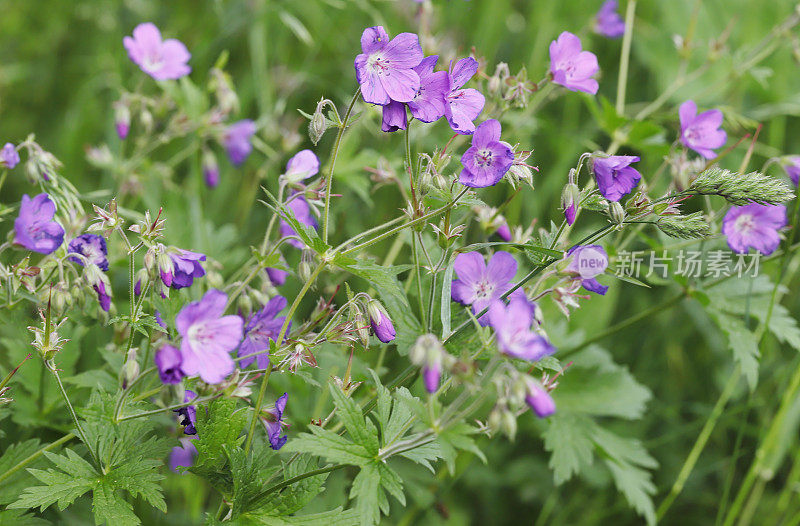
point(130, 370)
point(381, 323)
point(122, 119)
point(318, 124)
point(570, 197)
point(166, 268)
point(616, 212)
point(210, 169)
point(428, 352)
point(539, 399)
point(146, 118)
point(508, 424)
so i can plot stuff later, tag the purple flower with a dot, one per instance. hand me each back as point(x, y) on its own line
point(488, 159)
point(462, 106)
point(262, 327)
point(792, 167)
point(380, 322)
point(384, 69)
point(588, 261)
point(504, 232)
point(92, 247)
point(274, 423)
point(394, 117)
point(159, 320)
point(615, 177)
point(607, 22)
point(208, 337)
point(210, 169)
point(185, 267)
point(570, 66)
point(754, 226)
point(701, 132)
point(539, 399)
point(301, 166)
point(302, 212)
point(34, 227)
point(512, 326)
point(9, 157)
point(479, 284)
point(428, 104)
point(168, 360)
point(161, 60)
point(188, 414)
point(276, 276)
point(432, 375)
point(428, 353)
point(183, 456)
point(237, 140)
point(102, 295)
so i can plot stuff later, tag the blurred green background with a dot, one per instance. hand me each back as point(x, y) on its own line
point(62, 65)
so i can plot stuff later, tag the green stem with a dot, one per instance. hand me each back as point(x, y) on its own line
point(22, 463)
point(334, 155)
point(288, 482)
point(74, 416)
point(415, 254)
point(194, 401)
point(624, 58)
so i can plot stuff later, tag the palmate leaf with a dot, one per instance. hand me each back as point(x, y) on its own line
point(20, 518)
point(336, 516)
point(218, 430)
point(11, 487)
point(330, 446)
point(742, 342)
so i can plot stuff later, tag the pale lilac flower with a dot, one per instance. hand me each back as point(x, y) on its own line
point(588, 261)
point(615, 176)
point(183, 456)
point(754, 226)
point(380, 322)
point(792, 167)
point(479, 284)
point(168, 360)
point(34, 227)
point(302, 212)
point(274, 423)
point(570, 66)
point(162, 60)
point(186, 267)
point(701, 132)
point(428, 104)
point(188, 414)
point(462, 106)
point(237, 140)
point(301, 166)
point(208, 337)
point(9, 157)
point(261, 328)
point(384, 69)
point(512, 325)
point(92, 247)
point(607, 22)
point(538, 399)
point(488, 159)
point(394, 117)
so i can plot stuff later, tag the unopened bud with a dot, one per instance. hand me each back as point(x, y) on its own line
point(508, 424)
point(122, 119)
point(570, 197)
point(210, 169)
point(616, 212)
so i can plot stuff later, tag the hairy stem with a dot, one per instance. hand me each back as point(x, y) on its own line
point(334, 155)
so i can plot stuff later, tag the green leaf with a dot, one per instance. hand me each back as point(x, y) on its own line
point(743, 343)
point(329, 445)
point(336, 516)
point(568, 440)
point(454, 438)
point(217, 430)
point(110, 508)
point(447, 286)
point(369, 497)
point(361, 431)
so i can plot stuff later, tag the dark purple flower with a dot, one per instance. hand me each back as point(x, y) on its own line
point(168, 360)
point(34, 227)
point(262, 327)
point(792, 167)
point(161, 60)
point(462, 106)
point(428, 104)
point(754, 226)
point(701, 132)
point(302, 212)
point(384, 69)
point(588, 261)
point(276, 276)
point(570, 66)
point(183, 456)
point(102, 295)
point(237, 140)
point(188, 414)
point(380, 322)
point(539, 399)
point(92, 247)
point(615, 176)
point(9, 157)
point(208, 337)
point(488, 159)
point(479, 284)
point(512, 326)
point(394, 117)
point(274, 423)
point(185, 267)
point(607, 22)
point(301, 166)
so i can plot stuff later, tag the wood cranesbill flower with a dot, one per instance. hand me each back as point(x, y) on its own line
point(183, 456)
point(35, 228)
point(380, 322)
point(186, 266)
point(512, 327)
point(274, 423)
point(538, 398)
point(479, 284)
point(9, 157)
point(428, 104)
point(792, 167)
point(208, 337)
point(162, 60)
point(384, 69)
point(394, 117)
point(754, 226)
point(607, 21)
point(587, 262)
point(615, 176)
point(261, 328)
point(100, 283)
point(188, 414)
point(92, 247)
point(301, 166)
point(276, 276)
point(462, 106)
point(488, 159)
point(168, 360)
point(302, 212)
point(572, 67)
point(237, 140)
point(701, 132)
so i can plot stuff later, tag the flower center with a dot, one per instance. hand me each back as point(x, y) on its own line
point(745, 223)
point(483, 290)
point(200, 335)
point(153, 61)
point(378, 64)
point(484, 158)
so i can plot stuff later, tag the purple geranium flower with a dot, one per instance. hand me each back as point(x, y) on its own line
point(262, 327)
point(538, 399)
point(274, 423)
point(208, 337)
point(488, 159)
point(701, 132)
point(162, 60)
point(183, 456)
point(237, 140)
point(462, 106)
point(9, 157)
point(302, 212)
point(504, 232)
point(792, 167)
point(380, 322)
point(512, 326)
point(92, 247)
point(479, 284)
point(607, 22)
point(570, 66)
point(34, 227)
point(168, 360)
point(588, 261)
point(103, 297)
point(185, 267)
point(188, 414)
point(276, 276)
point(428, 104)
point(384, 69)
point(615, 176)
point(301, 166)
point(394, 117)
point(754, 226)
point(159, 320)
